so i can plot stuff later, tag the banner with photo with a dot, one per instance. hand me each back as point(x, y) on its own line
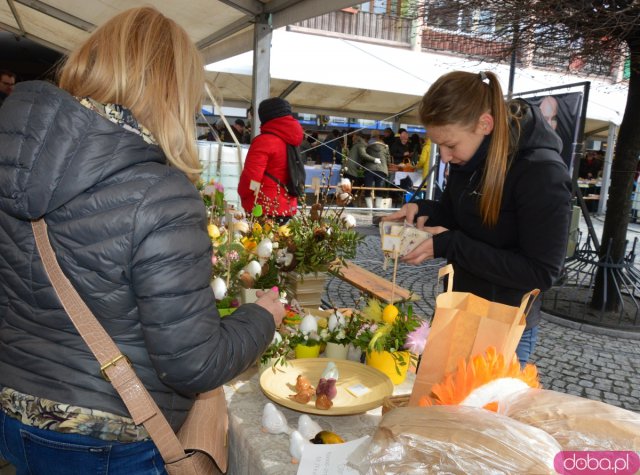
point(562, 112)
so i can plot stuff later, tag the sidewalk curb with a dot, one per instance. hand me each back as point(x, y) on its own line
point(593, 329)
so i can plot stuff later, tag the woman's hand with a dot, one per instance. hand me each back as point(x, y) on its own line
point(424, 250)
point(407, 213)
point(270, 301)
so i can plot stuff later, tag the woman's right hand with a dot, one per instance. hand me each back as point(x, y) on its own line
point(406, 213)
point(270, 301)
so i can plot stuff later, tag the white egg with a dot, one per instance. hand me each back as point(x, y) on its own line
point(349, 220)
point(254, 269)
point(309, 324)
point(333, 322)
point(265, 248)
point(336, 321)
point(219, 288)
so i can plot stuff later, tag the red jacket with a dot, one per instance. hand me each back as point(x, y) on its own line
point(268, 152)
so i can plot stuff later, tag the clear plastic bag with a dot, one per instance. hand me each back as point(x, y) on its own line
point(575, 422)
point(455, 440)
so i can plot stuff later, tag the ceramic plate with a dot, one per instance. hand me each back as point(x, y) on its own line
point(280, 385)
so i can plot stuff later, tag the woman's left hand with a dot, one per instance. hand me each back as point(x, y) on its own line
point(424, 250)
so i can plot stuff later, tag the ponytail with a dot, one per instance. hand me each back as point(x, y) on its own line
point(495, 170)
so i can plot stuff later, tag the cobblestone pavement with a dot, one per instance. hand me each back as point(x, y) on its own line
point(569, 359)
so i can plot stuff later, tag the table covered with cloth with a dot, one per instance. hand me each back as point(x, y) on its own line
point(254, 452)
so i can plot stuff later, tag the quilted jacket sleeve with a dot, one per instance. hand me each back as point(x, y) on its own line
point(191, 348)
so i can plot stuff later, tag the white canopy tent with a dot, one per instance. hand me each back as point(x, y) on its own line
point(316, 74)
point(337, 76)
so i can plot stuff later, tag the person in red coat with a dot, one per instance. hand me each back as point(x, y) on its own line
point(265, 169)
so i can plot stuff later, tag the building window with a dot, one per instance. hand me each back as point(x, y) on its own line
point(443, 16)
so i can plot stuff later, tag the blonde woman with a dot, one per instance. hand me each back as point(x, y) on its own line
point(504, 215)
point(108, 159)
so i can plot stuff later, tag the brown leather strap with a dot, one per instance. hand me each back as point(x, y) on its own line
point(113, 364)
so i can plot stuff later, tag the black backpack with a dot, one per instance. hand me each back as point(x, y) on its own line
point(295, 167)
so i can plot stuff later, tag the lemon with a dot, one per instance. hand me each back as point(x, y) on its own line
point(390, 313)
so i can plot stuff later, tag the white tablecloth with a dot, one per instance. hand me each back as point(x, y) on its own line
point(253, 452)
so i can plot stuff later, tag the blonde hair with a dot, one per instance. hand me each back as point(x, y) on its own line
point(461, 98)
point(146, 62)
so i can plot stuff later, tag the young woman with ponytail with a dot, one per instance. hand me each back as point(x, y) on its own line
point(504, 216)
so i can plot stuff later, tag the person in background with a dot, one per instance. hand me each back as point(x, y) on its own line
point(424, 162)
point(309, 147)
point(352, 166)
point(7, 83)
point(114, 182)
point(330, 151)
point(239, 130)
point(266, 171)
point(415, 147)
point(376, 169)
point(388, 136)
point(504, 215)
point(590, 166)
point(400, 150)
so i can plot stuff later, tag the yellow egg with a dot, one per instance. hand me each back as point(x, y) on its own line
point(322, 322)
point(214, 231)
point(390, 313)
point(257, 229)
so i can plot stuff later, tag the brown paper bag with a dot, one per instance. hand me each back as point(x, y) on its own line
point(465, 325)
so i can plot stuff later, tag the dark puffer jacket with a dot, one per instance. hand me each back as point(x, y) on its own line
point(525, 250)
point(129, 232)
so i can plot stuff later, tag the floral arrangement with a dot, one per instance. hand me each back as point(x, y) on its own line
point(393, 329)
point(337, 329)
point(243, 250)
point(318, 239)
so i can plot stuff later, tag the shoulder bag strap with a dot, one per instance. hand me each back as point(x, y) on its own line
point(114, 366)
point(269, 175)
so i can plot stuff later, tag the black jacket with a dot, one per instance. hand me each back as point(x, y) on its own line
point(526, 248)
point(130, 233)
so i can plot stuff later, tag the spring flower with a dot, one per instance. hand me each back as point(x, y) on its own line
point(417, 339)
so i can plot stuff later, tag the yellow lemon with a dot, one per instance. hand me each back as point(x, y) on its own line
point(214, 231)
point(390, 313)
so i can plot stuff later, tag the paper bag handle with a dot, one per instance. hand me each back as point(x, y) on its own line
point(527, 301)
point(447, 271)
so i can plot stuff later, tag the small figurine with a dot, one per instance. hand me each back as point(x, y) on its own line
point(273, 420)
point(308, 427)
point(297, 443)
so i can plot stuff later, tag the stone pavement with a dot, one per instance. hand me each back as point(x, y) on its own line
point(570, 358)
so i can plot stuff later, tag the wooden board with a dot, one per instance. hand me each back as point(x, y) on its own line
point(372, 284)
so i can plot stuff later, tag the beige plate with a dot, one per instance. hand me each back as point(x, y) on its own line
point(280, 385)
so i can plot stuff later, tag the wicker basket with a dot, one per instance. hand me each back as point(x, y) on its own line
point(391, 402)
